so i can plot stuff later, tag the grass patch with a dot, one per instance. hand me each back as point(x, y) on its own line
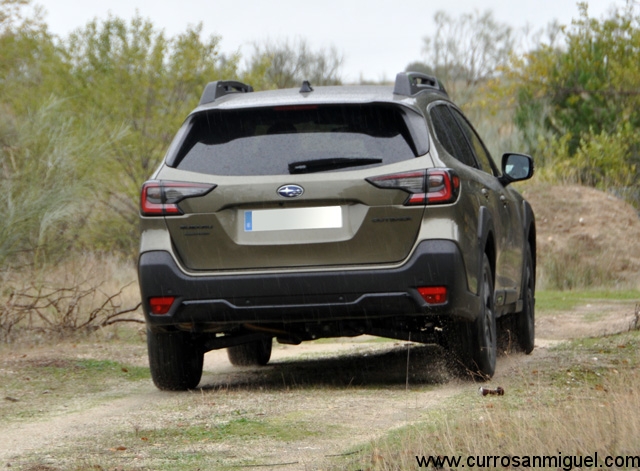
point(42, 386)
point(108, 368)
point(242, 428)
point(570, 269)
point(194, 441)
point(551, 300)
point(584, 397)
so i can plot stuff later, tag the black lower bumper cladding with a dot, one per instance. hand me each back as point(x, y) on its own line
point(308, 296)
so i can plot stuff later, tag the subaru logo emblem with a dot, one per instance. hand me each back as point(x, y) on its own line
point(290, 191)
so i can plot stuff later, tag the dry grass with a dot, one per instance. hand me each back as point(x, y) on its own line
point(584, 398)
point(80, 294)
point(570, 269)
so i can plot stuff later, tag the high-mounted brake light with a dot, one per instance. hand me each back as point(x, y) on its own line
point(432, 186)
point(159, 198)
point(295, 108)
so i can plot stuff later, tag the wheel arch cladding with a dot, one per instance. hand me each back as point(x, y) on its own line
point(486, 240)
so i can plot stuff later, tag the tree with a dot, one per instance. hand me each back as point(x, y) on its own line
point(39, 177)
point(31, 69)
point(467, 51)
point(11, 12)
point(46, 195)
point(586, 96)
point(285, 64)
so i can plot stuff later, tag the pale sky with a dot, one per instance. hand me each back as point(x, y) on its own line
point(377, 38)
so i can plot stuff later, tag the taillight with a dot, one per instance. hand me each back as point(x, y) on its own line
point(432, 186)
point(443, 186)
point(434, 294)
point(161, 305)
point(159, 198)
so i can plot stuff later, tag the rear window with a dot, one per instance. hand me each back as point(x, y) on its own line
point(298, 139)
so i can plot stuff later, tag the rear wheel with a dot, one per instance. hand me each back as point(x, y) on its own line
point(256, 353)
point(175, 360)
point(475, 343)
point(484, 328)
point(525, 320)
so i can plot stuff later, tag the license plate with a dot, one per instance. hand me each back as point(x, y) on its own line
point(326, 217)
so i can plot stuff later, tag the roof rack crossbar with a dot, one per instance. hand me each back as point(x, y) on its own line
point(411, 83)
point(220, 88)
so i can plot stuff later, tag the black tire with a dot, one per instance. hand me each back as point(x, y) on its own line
point(175, 360)
point(484, 330)
point(475, 343)
point(256, 353)
point(525, 320)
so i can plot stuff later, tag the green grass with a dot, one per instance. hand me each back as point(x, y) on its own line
point(242, 428)
point(110, 368)
point(212, 440)
point(550, 300)
point(40, 387)
point(589, 362)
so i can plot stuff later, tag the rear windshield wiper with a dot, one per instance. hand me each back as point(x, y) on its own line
point(334, 163)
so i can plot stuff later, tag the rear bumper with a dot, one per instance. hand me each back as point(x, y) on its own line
point(308, 296)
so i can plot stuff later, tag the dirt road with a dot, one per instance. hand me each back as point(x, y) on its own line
point(311, 403)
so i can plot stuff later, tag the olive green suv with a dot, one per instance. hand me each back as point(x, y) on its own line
point(337, 211)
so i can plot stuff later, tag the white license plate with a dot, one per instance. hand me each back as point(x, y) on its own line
point(326, 217)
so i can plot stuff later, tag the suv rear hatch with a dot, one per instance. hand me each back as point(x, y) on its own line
point(296, 186)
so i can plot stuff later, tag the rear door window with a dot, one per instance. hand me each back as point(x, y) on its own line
point(482, 154)
point(451, 135)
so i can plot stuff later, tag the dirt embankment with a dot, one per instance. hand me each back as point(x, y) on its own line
point(592, 230)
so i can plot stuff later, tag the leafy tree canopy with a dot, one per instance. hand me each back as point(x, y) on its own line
point(581, 94)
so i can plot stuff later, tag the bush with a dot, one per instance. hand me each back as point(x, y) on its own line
point(77, 296)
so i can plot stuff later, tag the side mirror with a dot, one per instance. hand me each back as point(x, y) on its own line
point(515, 168)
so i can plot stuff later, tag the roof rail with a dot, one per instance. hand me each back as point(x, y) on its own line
point(412, 83)
point(220, 88)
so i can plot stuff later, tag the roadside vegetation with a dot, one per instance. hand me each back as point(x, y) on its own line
point(581, 399)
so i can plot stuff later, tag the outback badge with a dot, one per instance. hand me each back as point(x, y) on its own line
point(290, 191)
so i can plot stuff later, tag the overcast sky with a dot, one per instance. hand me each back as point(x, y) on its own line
point(377, 38)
